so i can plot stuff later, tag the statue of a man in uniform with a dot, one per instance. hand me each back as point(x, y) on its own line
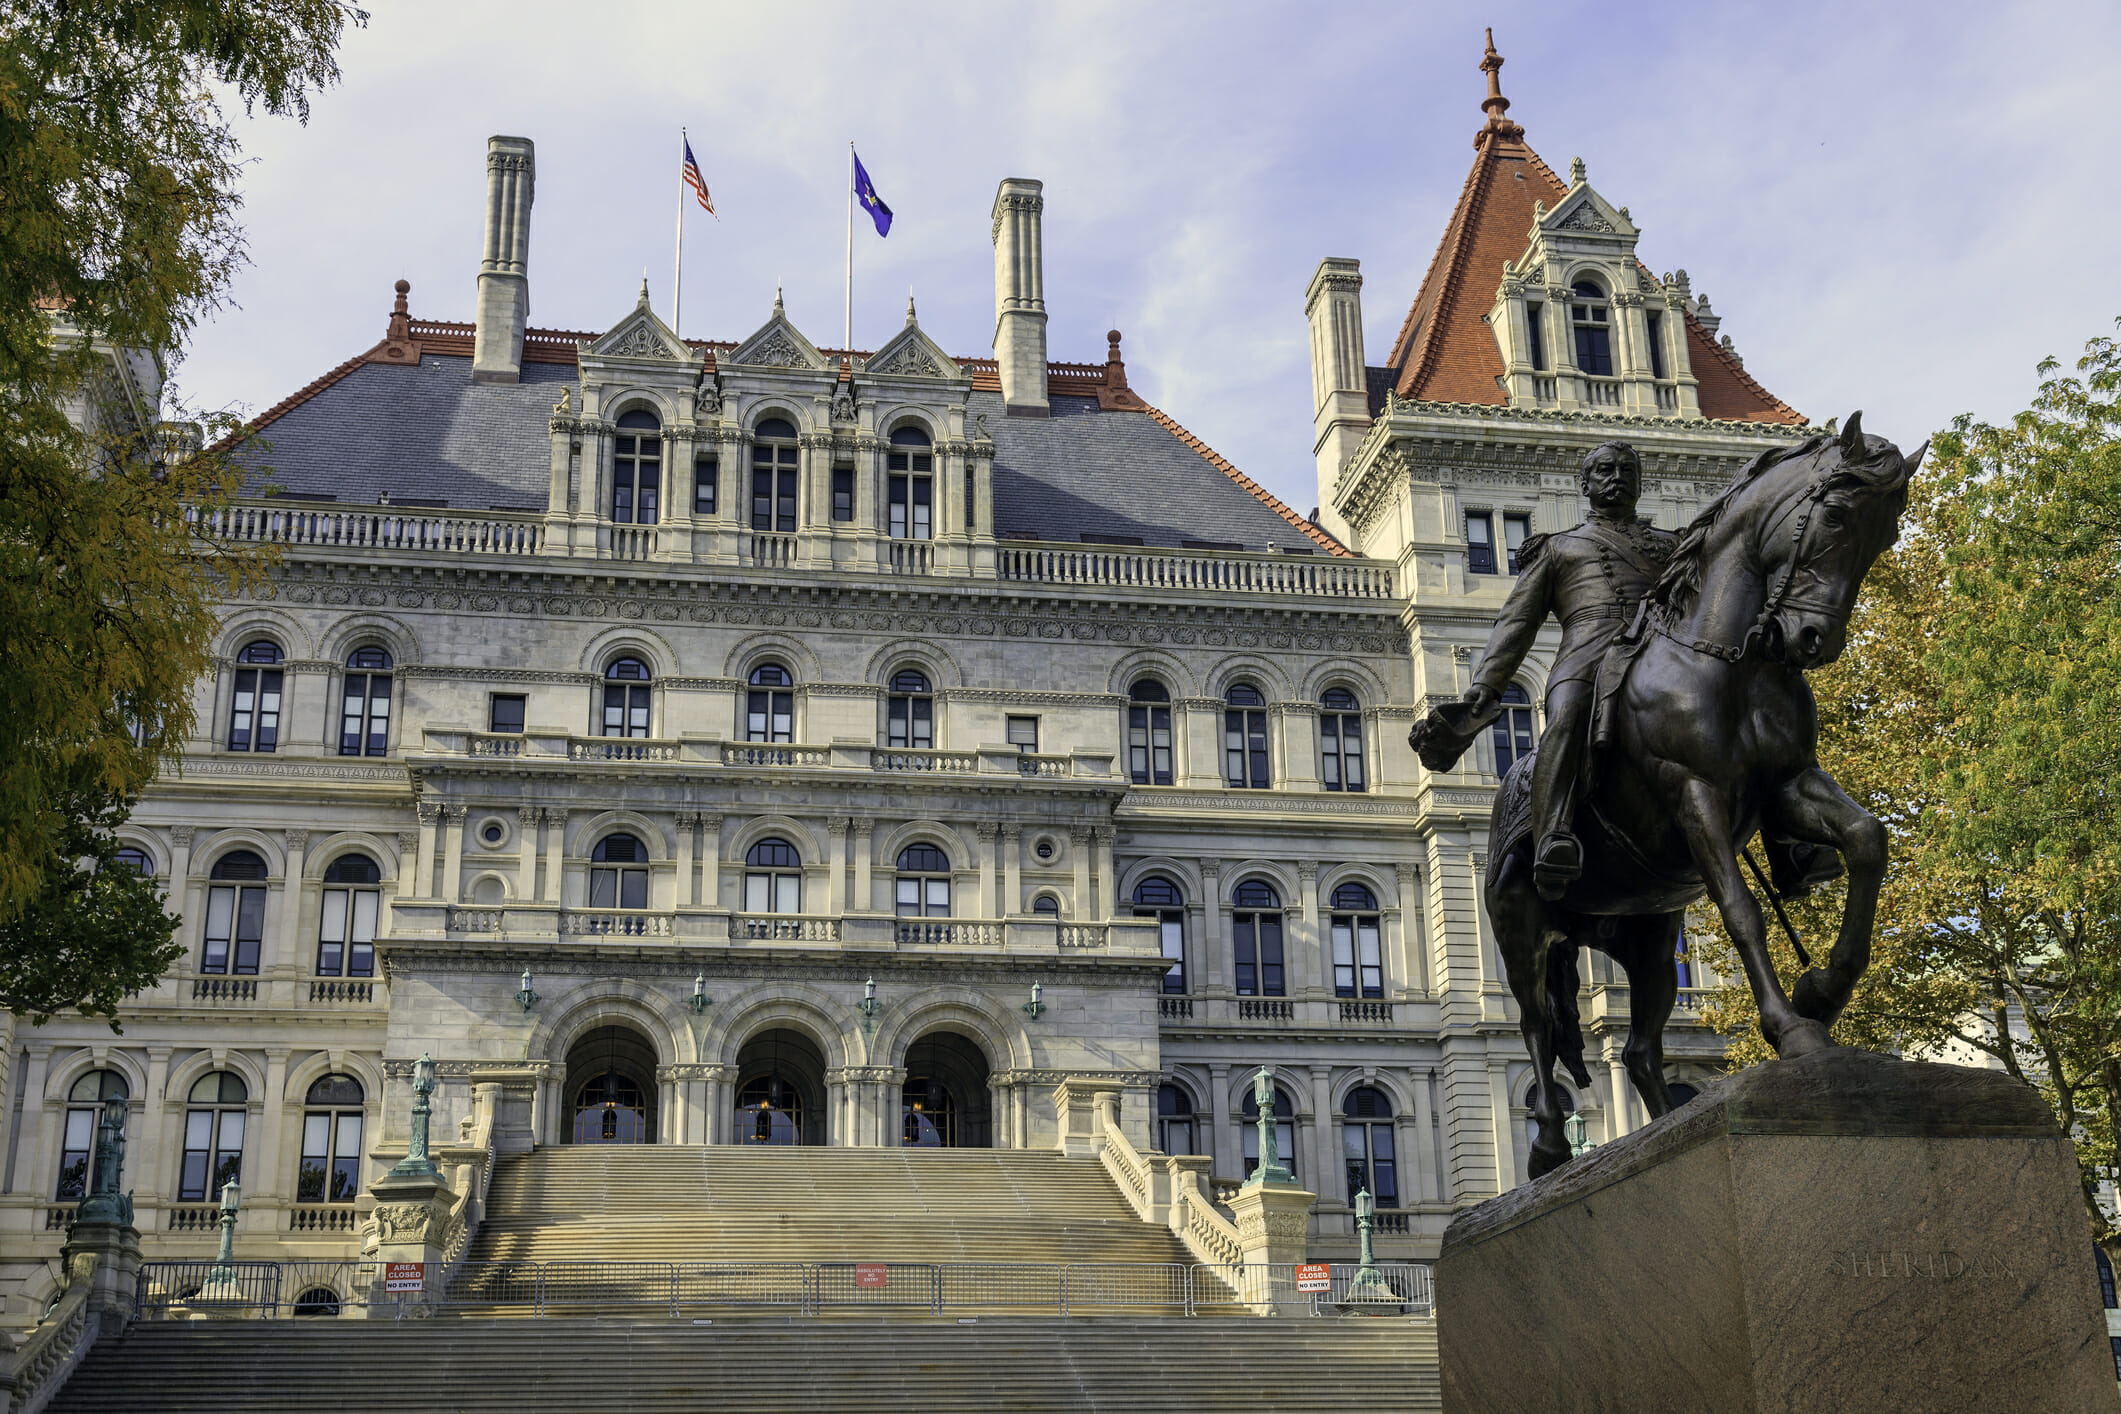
point(1591, 578)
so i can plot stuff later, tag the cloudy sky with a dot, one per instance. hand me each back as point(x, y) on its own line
point(1901, 207)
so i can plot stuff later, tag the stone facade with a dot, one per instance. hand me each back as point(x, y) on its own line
point(1088, 838)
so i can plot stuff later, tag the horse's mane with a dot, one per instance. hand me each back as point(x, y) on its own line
point(1681, 579)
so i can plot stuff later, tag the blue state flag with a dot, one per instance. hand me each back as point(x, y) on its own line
point(865, 193)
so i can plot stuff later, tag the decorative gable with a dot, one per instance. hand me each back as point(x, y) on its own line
point(1583, 212)
point(641, 335)
point(912, 354)
point(779, 344)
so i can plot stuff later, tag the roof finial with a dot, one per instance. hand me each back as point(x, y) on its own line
point(644, 289)
point(400, 320)
point(1578, 174)
point(777, 309)
point(909, 306)
point(1496, 105)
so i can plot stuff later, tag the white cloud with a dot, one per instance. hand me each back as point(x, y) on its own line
point(1895, 207)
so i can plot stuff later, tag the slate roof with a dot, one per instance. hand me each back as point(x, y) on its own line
point(426, 433)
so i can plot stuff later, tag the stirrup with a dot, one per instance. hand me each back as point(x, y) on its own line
point(1558, 863)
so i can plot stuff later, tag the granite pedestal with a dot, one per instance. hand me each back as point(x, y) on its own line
point(1843, 1232)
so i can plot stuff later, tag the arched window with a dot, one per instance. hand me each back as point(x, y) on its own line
point(909, 717)
point(1593, 330)
point(1255, 939)
point(910, 465)
point(1358, 955)
point(614, 885)
point(346, 931)
point(364, 721)
point(1046, 906)
point(1284, 1130)
point(213, 1137)
point(769, 711)
point(235, 915)
point(317, 1301)
point(1149, 733)
point(1512, 732)
point(332, 1119)
point(1340, 740)
point(1174, 1120)
point(83, 1130)
point(138, 860)
point(626, 684)
point(773, 467)
point(1366, 1144)
point(1531, 1119)
point(254, 716)
point(1157, 897)
point(773, 878)
point(637, 468)
point(923, 882)
point(1245, 738)
point(769, 1111)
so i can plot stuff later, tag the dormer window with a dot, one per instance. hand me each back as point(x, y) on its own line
point(1655, 321)
point(773, 467)
point(1593, 329)
point(911, 465)
point(637, 469)
point(1535, 315)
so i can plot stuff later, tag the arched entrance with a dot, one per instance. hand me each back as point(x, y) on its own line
point(944, 1104)
point(611, 1088)
point(780, 1089)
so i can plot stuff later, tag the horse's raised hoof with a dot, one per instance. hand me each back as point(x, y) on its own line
point(1817, 998)
point(1544, 1160)
point(1803, 1037)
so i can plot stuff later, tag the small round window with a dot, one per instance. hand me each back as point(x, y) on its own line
point(1043, 849)
point(493, 832)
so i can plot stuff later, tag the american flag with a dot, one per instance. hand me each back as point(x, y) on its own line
point(697, 182)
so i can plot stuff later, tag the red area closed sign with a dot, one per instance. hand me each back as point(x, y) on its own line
point(1314, 1276)
point(870, 1274)
point(404, 1276)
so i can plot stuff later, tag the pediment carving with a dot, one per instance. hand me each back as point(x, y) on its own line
point(913, 354)
point(778, 345)
point(640, 335)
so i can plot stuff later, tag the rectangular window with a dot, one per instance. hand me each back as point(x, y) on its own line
point(1258, 955)
point(1594, 345)
point(773, 493)
point(1149, 744)
point(706, 483)
point(912, 507)
point(1480, 542)
point(909, 723)
point(1340, 743)
point(971, 501)
point(1245, 749)
point(770, 716)
point(1173, 934)
point(235, 930)
point(1656, 333)
point(1023, 732)
point(504, 712)
point(1358, 959)
point(254, 720)
point(213, 1154)
point(1515, 528)
point(618, 888)
point(1535, 331)
point(1284, 1140)
point(346, 933)
point(364, 726)
point(843, 493)
point(75, 1150)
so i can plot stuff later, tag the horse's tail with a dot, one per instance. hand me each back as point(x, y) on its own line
point(1564, 1027)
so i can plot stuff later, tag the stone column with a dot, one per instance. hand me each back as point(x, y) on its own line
point(836, 863)
point(711, 858)
point(423, 863)
point(283, 939)
point(1223, 1143)
point(453, 853)
point(864, 900)
point(408, 866)
point(1012, 870)
point(526, 853)
point(989, 842)
point(265, 1173)
point(1083, 906)
point(1409, 954)
point(1421, 1158)
point(1325, 1134)
point(555, 851)
point(26, 1174)
point(1107, 886)
point(1306, 962)
point(1208, 967)
point(687, 823)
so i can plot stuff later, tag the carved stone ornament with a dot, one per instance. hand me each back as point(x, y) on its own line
point(843, 406)
point(1586, 217)
point(909, 357)
point(776, 350)
point(639, 342)
point(1258, 1223)
point(706, 403)
point(409, 1223)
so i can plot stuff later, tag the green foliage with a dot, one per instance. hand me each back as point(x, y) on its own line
point(1977, 712)
point(118, 199)
point(94, 931)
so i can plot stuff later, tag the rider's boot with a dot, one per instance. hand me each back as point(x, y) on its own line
point(1557, 864)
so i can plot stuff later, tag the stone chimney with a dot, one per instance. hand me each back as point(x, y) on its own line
point(504, 273)
point(1020, 295)
point(1340, 395)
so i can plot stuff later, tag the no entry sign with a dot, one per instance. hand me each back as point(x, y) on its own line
point(1314, 1276)
point(870, 1274)
point(405, 1276)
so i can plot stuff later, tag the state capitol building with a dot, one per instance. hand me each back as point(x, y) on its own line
point(745, 742)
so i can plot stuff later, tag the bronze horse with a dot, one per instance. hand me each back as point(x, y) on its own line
point(1709, 736)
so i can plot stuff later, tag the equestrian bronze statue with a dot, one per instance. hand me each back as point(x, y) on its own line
point(1679, 724)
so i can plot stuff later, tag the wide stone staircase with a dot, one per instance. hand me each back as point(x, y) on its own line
point(645, 1279)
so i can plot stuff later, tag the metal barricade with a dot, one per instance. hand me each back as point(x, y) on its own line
point(1118, 1286)
point(505, 1286)
point(1272, 1289)
point(875, 1286)
point(725, 1285)
point(232, 1288)
point(602, 1286)
point(1004, 1286)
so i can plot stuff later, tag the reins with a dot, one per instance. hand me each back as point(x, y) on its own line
point(1777, 599)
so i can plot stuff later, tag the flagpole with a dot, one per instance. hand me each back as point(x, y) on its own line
point(847, 327)
point(677, 276)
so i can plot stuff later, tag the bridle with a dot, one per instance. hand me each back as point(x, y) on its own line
point(1778, 597)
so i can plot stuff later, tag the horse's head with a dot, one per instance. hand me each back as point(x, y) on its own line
point(1825, 513)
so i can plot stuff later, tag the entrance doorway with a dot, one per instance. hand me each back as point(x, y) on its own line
point(780, 1090)
point(944, 1103)
point(611, 1089)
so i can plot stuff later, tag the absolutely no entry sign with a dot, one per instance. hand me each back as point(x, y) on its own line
point(870, 1274)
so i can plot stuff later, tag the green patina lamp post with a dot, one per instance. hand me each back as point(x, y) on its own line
point(1271, 1169)
point(1578, 1135)
point(224, 1272)
point(416, 1163)
point(1369, 1283)
point(104, 1203)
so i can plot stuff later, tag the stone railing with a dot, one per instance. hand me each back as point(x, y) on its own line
point(473, 1179)
point(910, 556)
point(898, 759)
point(326, 991)
point(1165, 1189)
point(192, 1217)
point(218, 991)
point(615, 923)
point(224, 989)
point(1212, 571)
point(371, 527)
point(32, 1372)
point(1206, 1232)
point(1082, 937)
point(767, 551)
point(341, 1218)
point(963, 935)
point(784, 928)
point(622, 748)
point(1032, 764)
point(762, 754)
